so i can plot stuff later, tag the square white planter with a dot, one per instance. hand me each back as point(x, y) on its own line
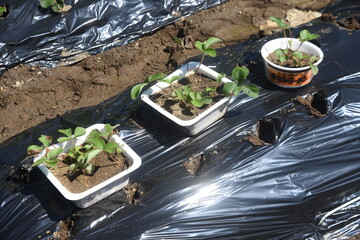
point(203, 120)
point(102, 190)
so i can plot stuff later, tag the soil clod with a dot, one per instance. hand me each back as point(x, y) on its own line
point(133, 192)
point(266, 132)
point(194, 163)
point(350, 23)
point(64, 229)
point(316, 104)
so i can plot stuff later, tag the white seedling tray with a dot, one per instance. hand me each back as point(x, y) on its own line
point(102, 190)
point(203, 120)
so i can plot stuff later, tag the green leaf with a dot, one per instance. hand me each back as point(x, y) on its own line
point(54, 153)
point(51, 163)
point(110, 147)
point(250, 90)
point(179, 41)
point(73, 168)
point(97, 141)
point(228, 88)
point(199, 45)
point(45, 140)
point(279, 22)
point(79, 131)
point(197, 103)
point(187, 89)
point(89, 169)
point(56, 7)
point(305, 35)
point(314, 59)
point(211, 41)
point(298, 54)
point(67, 132)
point(155, 77)
point(279, 53)
point(39, 161)
point(2, 11)
point(314, 68)
point(46, 3)
point(209, 89)
point(239, 74)
point(94, 133)
point(63, 139)
point(136, 90)
point(92, 153)
point(193, 95)
point(34, 149)
point(220, 76)
point(211, 52)
point(172, 79)
point(207, 100)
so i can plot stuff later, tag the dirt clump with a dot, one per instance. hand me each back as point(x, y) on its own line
point(316, 104)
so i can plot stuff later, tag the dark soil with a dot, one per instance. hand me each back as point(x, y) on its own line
point(30, 95)
point(105, 168)
point(316, 104)
point(291, 62)
point(266, 132)
point(181, 109)
point(64, 229)
point(351, 24)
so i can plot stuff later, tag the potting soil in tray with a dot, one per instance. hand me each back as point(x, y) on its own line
point(277, 191)
point(181, 109)
point(105, 168)
point(290, 62)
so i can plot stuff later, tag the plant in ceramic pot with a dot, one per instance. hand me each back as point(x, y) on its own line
point(291, 62)
point(87, 165)
point(199, 95)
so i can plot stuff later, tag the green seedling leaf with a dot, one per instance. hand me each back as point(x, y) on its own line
point(197, 103)
point(91, 154)
point(110, 147)
point(45, 140)
point(170, 80)
point(67, 132)
point(46, 3)
point(314, 59)
point(210, 41)
point(279, 22)
point(97, 141)
point(179, 41)
point(209, 89)
point(51, 163)
point(220, 76)
point(194, 95)
point(63, 139)
point(155, 77)
point(305, 35)
point(211, 52)
point(199, 45)
point(89, 169)
point(2, 11)
point(73, 168)
point(314, 69)
point(94, 133)
point(178, 93)
point(229, 88)
point(79, 131)
point(58, 6)
point(54, 153)
point(239, 74)
point(279, 53)
point(34, 149)
point(250, 90)
point(298, 54)
point(136, 90)
point(207, 100)
point(39, 161)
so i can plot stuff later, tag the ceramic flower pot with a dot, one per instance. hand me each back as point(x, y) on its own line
point(284, 76)
point(102, 190)
point(204, 119)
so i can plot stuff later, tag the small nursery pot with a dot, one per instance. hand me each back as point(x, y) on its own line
point(193, 126)
point(102, 190)
point(284, 76)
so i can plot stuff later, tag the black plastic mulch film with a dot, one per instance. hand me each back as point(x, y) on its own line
point(280, 191)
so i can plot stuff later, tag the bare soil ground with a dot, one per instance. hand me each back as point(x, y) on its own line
point(30, 95)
